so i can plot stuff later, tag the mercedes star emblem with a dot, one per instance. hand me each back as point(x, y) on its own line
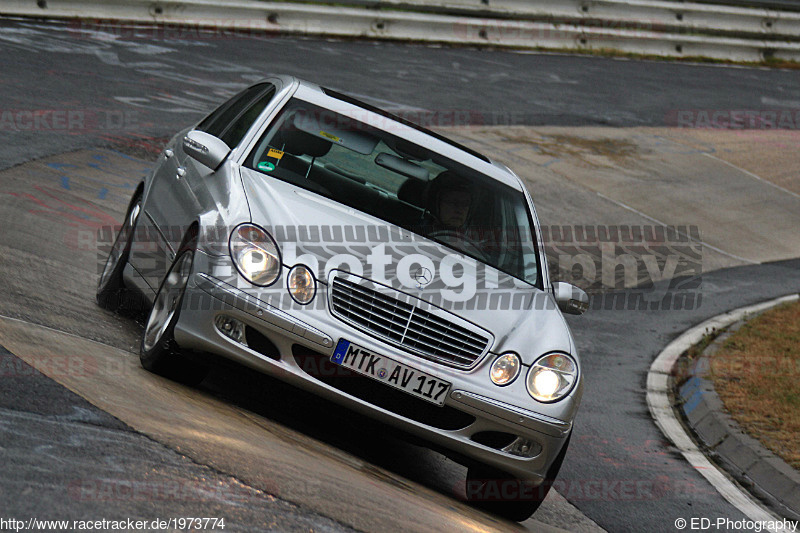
point(423, 276)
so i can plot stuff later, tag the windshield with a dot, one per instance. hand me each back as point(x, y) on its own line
point(371, 170)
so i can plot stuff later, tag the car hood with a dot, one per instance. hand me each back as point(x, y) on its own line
point(328, 236)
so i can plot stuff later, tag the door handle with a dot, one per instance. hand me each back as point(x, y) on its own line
point(168, 153)
point(181, 172)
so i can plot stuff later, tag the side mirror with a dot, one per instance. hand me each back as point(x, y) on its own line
point(570, 299)
point(205, 148)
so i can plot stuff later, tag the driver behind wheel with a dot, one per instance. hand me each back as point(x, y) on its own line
point(453, 199)
point(451, 214)
point(454, 206)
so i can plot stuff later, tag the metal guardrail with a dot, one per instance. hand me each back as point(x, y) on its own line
point(788, 5)
point(660, 15)
point(662, 28)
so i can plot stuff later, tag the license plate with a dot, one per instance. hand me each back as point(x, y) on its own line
point(388, 371)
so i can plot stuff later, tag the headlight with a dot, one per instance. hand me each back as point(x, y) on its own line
point(551, 377)
point(255, 254)
point(301, 284)
point(505, 369)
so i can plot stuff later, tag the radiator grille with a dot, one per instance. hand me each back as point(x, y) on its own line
point(404, 324)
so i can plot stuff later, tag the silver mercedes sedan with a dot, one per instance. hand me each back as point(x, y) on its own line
point(363, 258)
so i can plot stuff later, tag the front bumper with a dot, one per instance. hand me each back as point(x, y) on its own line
point(472, 425)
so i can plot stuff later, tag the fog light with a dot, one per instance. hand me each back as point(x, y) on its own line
point(505, 369)
point(231, 328)
point(523, 448)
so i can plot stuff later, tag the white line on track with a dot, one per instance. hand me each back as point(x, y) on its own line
point(759, 178)
point(660, 223)
point(664, 416)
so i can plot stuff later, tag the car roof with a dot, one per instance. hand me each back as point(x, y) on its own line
point(381, 119)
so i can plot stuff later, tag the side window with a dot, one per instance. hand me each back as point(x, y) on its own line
point(236, 130)
point(217, 122)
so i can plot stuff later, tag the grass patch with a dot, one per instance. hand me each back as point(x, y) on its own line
point(756, 373)
point(560, 145)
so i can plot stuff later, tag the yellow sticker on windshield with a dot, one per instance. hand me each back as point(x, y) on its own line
point(277, 154)
point(330, 136)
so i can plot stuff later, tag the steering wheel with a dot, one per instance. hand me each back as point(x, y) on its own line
point(460, 241)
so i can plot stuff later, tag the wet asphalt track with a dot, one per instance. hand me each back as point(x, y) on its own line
point(138, 89)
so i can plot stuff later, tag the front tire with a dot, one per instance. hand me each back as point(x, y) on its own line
point(159, 352)
point(486, 486)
